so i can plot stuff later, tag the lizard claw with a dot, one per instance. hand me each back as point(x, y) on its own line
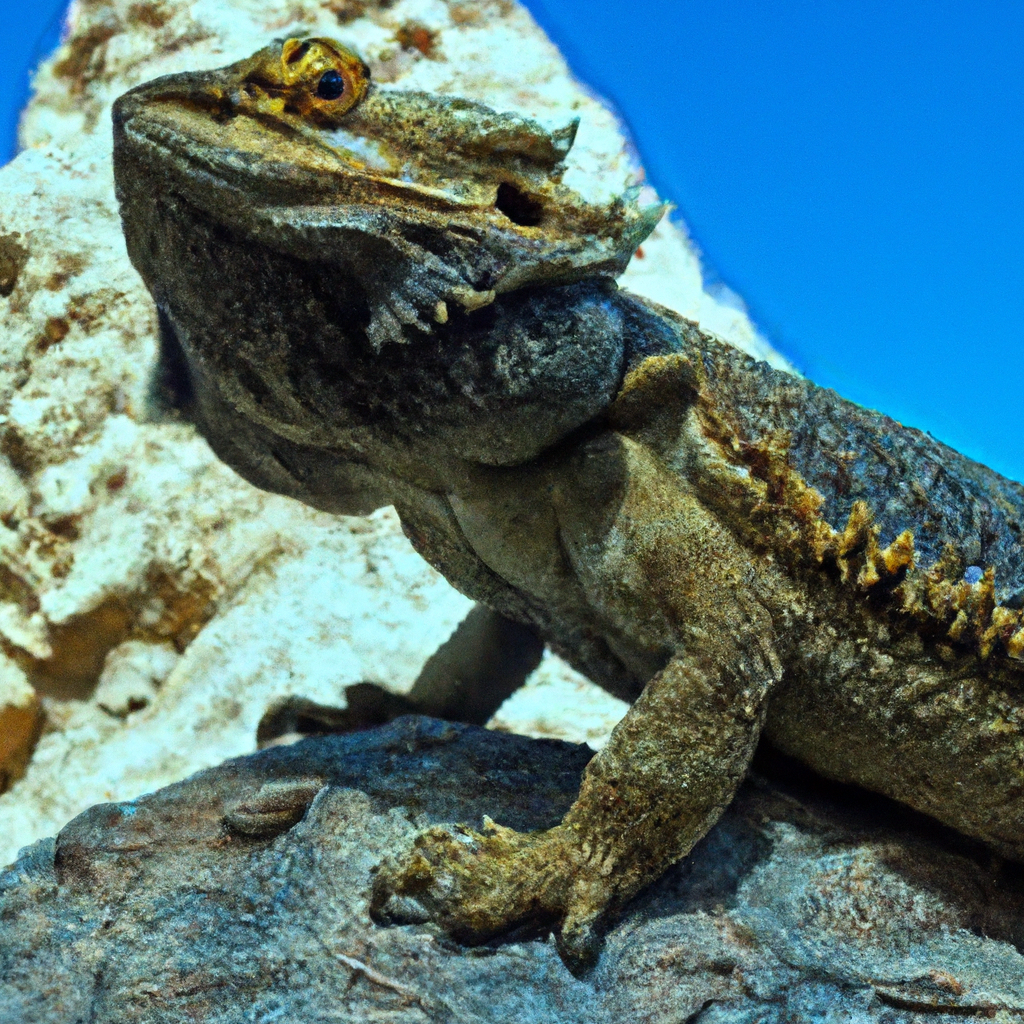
point(479, 885)
point(475, 885)
point(579, 943)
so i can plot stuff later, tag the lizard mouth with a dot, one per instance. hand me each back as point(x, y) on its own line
point(199, 143)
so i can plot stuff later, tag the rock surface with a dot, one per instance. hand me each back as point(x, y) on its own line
point(794, 908)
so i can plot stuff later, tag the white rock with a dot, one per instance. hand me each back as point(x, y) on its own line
point(132, 674)
point(558, 703)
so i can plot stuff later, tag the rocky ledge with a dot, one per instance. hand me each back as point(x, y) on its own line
point(801, 905)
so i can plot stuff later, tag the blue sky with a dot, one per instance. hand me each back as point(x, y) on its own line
point(30, 31)
point(854, 170)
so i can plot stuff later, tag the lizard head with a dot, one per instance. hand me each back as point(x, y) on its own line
point(429, 202)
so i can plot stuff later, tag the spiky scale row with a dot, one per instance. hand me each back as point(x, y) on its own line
point(965, 612)
point(857, 553)
point(968, 611)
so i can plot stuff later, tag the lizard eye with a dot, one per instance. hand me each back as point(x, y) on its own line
point(321, 79)
point(331, 86)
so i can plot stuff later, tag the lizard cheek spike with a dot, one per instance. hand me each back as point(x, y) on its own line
point(426, 315)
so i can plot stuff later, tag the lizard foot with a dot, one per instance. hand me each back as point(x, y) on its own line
point(479, 885)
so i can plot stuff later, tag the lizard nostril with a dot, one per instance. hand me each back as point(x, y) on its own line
point(518, 206)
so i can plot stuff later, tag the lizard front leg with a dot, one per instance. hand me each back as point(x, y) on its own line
point(670, 768)
point(655, 566)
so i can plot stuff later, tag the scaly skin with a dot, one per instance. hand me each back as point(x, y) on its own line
point(381, 297)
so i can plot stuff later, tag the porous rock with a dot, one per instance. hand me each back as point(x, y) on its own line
point(794, 908)
point(20, 722)
point(158, 604)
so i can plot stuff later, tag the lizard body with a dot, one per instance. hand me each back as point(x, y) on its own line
point(374, 297)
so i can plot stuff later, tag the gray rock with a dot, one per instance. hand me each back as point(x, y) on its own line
point(218, 900)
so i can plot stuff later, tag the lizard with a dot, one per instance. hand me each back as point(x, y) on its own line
point(370, 296)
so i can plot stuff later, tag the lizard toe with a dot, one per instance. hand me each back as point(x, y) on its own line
point(579, 942)
point(474, 885)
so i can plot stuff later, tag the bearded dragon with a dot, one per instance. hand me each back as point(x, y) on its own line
point(372, 296)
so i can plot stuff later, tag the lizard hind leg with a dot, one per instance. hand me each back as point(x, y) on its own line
point(669, 770)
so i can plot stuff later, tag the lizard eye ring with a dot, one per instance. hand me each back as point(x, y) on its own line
point(331, 85)
point(321, 79)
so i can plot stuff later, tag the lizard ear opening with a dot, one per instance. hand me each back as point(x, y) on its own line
point(519, 207)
